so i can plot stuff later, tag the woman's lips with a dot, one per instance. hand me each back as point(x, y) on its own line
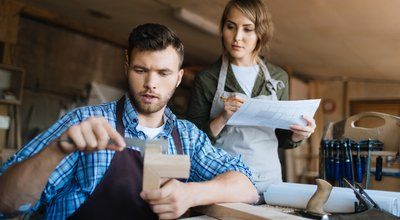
point(236, 47)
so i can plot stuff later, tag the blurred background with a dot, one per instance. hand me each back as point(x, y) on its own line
point(57, 55)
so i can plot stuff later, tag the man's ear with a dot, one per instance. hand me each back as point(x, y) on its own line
point(126, 62)
point(180, 75)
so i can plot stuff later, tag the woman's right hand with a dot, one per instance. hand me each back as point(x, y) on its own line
point(231, 105)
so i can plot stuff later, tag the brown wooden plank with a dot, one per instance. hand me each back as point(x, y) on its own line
point(230, 211)
point(157, 165)
point(9, 19)
point(68, 23)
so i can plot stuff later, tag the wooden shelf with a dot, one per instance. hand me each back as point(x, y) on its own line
point(10, 101)
point(11, 89)
point(12, 82)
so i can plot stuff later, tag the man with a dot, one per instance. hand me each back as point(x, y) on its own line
point(71, 170)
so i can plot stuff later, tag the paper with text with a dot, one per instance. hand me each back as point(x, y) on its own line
point(274, 114)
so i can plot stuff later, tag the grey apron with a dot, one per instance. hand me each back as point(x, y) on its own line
point(257, 145)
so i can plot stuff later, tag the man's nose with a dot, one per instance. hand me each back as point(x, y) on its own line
point(151, 80)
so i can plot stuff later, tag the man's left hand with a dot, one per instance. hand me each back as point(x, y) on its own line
point(171, 201)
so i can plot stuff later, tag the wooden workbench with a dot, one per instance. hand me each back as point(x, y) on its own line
point(243, 211)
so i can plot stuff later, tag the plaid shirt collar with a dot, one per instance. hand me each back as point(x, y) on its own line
point(131, 118)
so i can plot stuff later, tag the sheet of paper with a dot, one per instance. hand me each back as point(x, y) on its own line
point(341, 200)
point(274, 114)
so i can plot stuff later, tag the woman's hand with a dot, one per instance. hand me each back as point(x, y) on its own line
point(300, 133)
point(231, 105)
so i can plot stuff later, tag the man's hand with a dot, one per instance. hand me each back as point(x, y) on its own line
point(171, 201)
point(300, 133)
point(89, 136)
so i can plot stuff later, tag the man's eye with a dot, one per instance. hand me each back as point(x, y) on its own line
point(164, 73)
point(139, 70)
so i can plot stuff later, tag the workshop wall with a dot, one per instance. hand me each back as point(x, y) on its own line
point(60, 64)
point(64, 61)
point(340, 93)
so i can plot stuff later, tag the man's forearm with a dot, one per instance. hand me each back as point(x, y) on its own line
point(22, 184)
point(231, 186)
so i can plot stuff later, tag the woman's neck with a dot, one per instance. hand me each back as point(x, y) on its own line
point(249, 61)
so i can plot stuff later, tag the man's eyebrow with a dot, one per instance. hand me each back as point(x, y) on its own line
point(138, 66)
point(165, 70)
point(145, 68)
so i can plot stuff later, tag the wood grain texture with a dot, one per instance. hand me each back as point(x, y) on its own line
point(233, 211)
point(157, 165)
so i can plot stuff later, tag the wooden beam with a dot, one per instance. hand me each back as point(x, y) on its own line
point(158, 165)
point(315, 138)
point(9, 20)
point(232, 211)
point(53, 18)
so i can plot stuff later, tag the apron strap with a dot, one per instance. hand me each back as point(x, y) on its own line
point(177, 140)
point(121, 130)
point(120, 113)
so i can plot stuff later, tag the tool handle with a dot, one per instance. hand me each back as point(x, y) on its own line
point(378, 170)
point(337, 170)
point(332, 168)
point(348, 173)
point(327, 168)
point(363, 164)
point(358, 171)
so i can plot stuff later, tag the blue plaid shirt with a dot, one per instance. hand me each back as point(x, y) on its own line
point(77, 175)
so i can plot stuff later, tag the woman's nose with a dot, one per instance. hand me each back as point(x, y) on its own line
point(238, 35)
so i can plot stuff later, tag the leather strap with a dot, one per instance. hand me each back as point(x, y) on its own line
point(120, 113)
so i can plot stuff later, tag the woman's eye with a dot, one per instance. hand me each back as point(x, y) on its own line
point(229, 26)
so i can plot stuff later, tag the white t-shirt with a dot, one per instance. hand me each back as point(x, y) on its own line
point(246, 76)
point(151, 133)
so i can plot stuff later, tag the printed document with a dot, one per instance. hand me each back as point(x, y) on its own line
point(274, 114)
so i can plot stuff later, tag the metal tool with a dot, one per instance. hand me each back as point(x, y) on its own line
point(358, 167)
point(136, 143)
point(139, 144)
point(332, 160)
point(337, 174)
point(364, 201)
point(347, 170)
point(378, 170)
point(326, 157)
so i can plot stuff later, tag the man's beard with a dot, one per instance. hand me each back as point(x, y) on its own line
point(151, 108)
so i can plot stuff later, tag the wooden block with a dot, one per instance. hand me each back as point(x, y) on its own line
point(157, 165)
point(230, 211)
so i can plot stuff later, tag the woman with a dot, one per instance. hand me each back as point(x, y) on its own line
point(223, 87)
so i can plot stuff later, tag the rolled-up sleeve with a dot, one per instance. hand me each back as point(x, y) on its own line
point(208, 161)
point(32, 148)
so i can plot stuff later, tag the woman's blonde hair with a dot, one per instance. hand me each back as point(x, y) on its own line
point(258, 13)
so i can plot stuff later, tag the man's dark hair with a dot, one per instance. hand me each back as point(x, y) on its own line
point(154, 37)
